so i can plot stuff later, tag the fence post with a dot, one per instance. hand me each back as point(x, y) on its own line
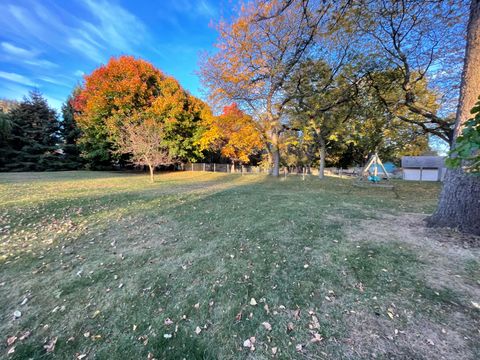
point(213, 167)
point(192, 166)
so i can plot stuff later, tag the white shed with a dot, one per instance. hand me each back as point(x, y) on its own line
point(423, 168)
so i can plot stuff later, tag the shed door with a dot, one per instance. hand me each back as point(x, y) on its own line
point(430, 175)
point(411, 174)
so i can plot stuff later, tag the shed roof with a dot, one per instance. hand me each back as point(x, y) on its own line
point(436, 162)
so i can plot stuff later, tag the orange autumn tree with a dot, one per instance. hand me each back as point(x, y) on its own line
point(234, 133)
point(129, 88)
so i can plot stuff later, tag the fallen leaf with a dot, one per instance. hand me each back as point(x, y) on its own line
point(17, 314)
point(50, 346)
point(299, 347)
point(81, 356)
point(238, 317)
point(198, 330)
point(315, 323)
point(196, 306)
point(95, 314)
point(247, 343)
point(167, 336)
point(267, 326)
point(253, 302)
point(475, 304)
point(274, 350)
point(316, 338)
point(267, 310)
point(168, 321)
point(11, 340)
point(290, 326)
point(430, 342)
point(306, 266)
point(11, 350)
point(134, 327)
point(25, 335)
point(296, 314)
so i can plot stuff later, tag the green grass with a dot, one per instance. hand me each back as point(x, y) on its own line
point(105, 258)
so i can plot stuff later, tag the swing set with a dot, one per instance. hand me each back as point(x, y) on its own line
point(370, 175)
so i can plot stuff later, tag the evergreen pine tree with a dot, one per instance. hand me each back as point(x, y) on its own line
point(34, 136)
point(70, 134)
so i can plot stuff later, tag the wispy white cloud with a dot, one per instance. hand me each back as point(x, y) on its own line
point(41, 63)
point(79, 73)
point(54, 81)
point(18, 51)
point(16, 78)
point(195, 8)
point(110, 28)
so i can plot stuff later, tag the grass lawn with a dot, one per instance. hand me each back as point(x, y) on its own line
point(192, 266)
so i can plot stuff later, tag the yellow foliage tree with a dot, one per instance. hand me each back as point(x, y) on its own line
point(234, 133)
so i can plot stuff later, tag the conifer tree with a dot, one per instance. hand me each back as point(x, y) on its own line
point(34, 136)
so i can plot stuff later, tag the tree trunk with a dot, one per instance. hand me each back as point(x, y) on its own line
point(150, 167)
point(321, 170)
point(275, 155)
point(459, 204)
point(233, 167)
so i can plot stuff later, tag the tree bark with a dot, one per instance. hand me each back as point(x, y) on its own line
point(321, 170)
point(150, 167)
point(459, 204)
point(275, 155)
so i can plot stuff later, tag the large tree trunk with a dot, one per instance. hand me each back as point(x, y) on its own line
point(459, 204)
point(321, 170)
point(275, 155)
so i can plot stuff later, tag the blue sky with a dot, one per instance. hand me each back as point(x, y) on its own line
point(50, 45)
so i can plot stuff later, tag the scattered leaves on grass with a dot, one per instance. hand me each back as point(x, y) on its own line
point(250, 343)
point(274, 350)
point(238, 317)
point(253, 302)
point(299, 347)
point(11, 350)
point(198, 330)
point(167, 336)
point(197, 306)
point(168, 321)
point(81, 356)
